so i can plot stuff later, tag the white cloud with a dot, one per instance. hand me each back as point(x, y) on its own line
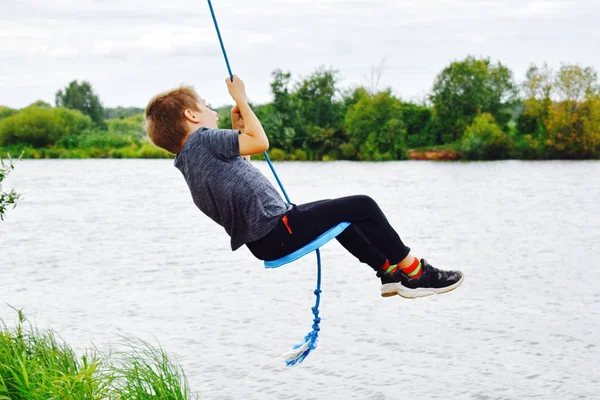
point(478, 38)
point(259, 38)
point(64, 52)
point(157, 40)
point(130, 49)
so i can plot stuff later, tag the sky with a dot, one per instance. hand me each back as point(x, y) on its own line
point(130, 50)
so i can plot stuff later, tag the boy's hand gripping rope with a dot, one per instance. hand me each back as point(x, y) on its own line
point(299, 353)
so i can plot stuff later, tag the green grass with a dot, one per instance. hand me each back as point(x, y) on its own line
point(36, 365)
point(145, 372)
point(142, 150)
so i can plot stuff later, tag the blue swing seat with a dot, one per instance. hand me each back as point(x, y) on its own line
point(312, 246)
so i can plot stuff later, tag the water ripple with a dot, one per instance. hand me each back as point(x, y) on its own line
point(102, 248)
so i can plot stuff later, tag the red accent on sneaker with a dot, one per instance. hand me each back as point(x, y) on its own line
point(412, 268)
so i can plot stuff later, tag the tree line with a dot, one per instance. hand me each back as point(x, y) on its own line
point(475, 108)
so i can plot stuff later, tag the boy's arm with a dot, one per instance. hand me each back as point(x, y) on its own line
point(253, 139)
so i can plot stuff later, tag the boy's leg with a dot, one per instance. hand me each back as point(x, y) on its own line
point(373, 241)
point(357, 244)
point(370, 237)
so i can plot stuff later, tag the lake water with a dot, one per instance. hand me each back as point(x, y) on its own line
point(103, 248)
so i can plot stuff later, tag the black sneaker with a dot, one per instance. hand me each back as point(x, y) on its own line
point(432, 281)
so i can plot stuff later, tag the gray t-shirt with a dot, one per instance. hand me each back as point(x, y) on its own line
point(227, 188)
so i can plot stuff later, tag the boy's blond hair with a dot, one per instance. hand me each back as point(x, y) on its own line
point(165, 122)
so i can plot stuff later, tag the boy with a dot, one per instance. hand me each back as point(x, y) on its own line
point(237, 196)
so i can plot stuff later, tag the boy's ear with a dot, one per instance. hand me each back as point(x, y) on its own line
point(191, 115)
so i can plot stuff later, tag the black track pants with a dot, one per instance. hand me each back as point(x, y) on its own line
point(370, 237)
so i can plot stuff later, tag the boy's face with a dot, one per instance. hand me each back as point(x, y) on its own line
point(208, 118)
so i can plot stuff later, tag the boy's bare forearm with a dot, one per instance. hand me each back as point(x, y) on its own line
point(252, 126)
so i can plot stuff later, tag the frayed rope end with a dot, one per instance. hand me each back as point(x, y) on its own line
point(299, 353)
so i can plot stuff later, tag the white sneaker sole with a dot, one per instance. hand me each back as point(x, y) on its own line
point(393, 289)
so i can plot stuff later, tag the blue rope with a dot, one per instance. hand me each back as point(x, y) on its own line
point(212, 12)
point(277, 177)
point(310, 340)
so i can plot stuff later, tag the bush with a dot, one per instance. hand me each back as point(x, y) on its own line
point(332, 155)
point(526, 148)
point(300, 155)
point(148, 150)
point(484, 140)
point(117, 153)
point(41, 127)
point(6, 112)
point(348, 151)
point(103, 140)
point(132, 126)
point(277, 154)
point(54, 152)
point(19, 150)
point(40, 104)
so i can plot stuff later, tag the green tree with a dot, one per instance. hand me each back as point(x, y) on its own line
point(320, 115)
point(467, 88)
point(418, 125)
point(376, 128)
point(281, 135)
point(537, 88)
point(315, 99)
point(561, 114)
point(81, 96)
point(282, 96)
point(304, 115)
point(280, 117)
point(484, 140)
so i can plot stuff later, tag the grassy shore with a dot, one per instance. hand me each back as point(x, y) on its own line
point(134, 150)
point(36, 365)
point(147, 150)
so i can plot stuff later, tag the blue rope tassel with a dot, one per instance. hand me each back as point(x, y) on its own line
point(300, 351)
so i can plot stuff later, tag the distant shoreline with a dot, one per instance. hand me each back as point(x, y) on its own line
point(430, 154)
